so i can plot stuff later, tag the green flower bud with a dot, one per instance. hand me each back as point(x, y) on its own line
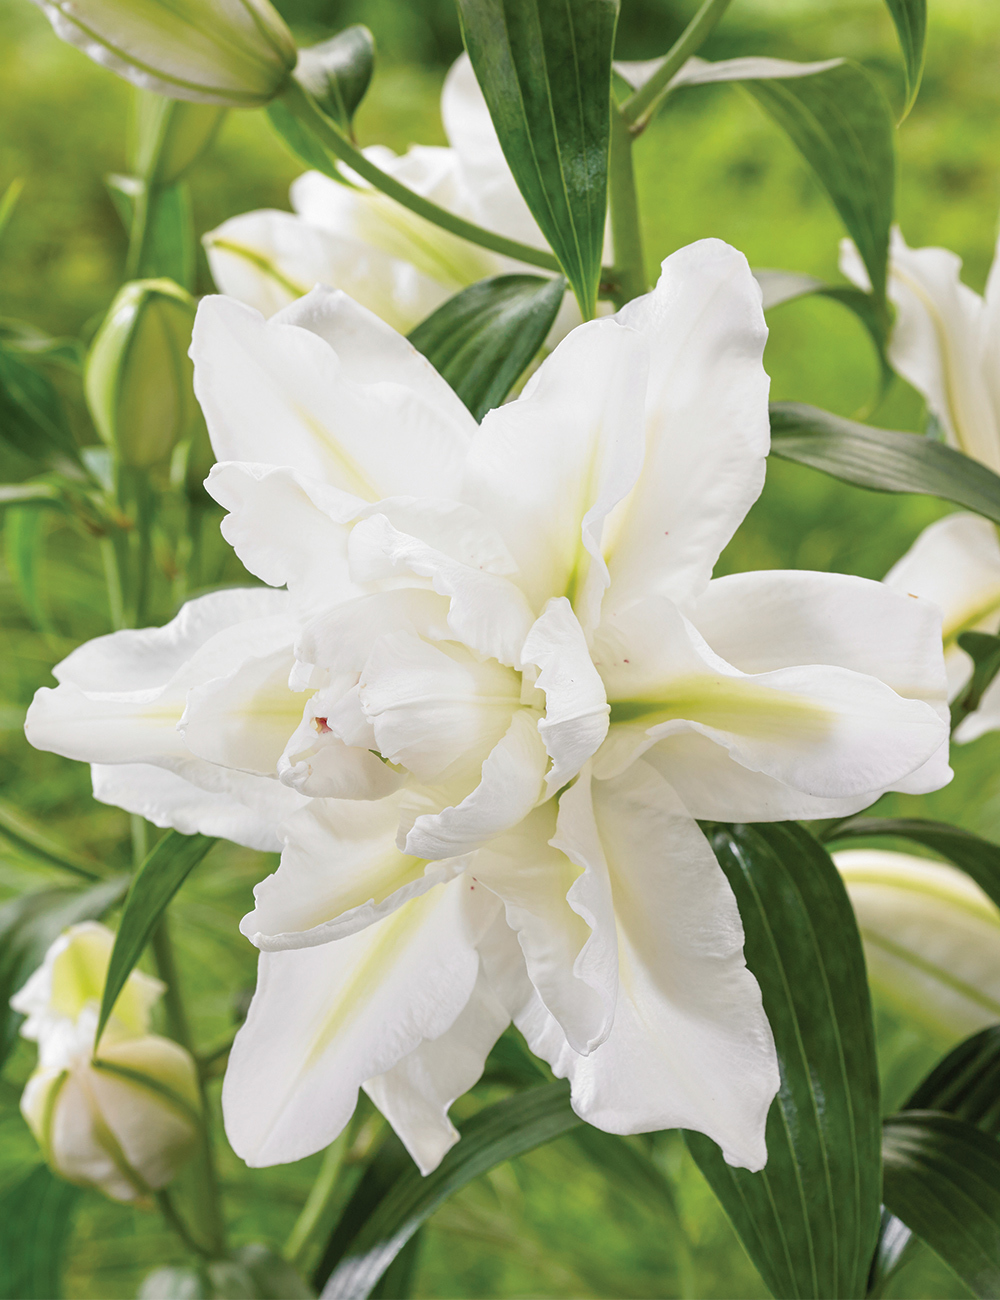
point(170, 136)
point(139, 380)
point(337, 72)
point(236, 53)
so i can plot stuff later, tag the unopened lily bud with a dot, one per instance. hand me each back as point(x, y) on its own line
point(931, 938)
point(127, 1121)
point(170, 136)
point(235, 53)
point(139, 380)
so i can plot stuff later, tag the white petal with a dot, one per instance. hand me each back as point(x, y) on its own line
point(558, 903)
point(232, 805)
point(955, 562)
point(341, 638)
point(326, 1019)
point(707, 428)
point(576, 708)
point(340, 871)
point(415, 1095)
point(317, 762)
point(511, 785)
point(278, 394)
point(548, 468)
point(487, 611)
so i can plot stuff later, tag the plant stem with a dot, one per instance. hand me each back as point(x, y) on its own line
point(640, 106)
point(299, 102)
point(317, 1215)
point(626, 227)
point(169, 1212)
point(113, 580)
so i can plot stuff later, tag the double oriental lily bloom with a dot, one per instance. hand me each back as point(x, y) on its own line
point(355, 238)
point(504, 686)
point(946, 342)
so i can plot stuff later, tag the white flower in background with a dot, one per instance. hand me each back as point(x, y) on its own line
point(388, 259)
point(503, 685)
point(931, 937)
point(104, 1127)
point(945, 341)
point(236, 53)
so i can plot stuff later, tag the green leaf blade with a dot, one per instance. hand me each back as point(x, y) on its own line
point(482, 340)
point(882, 460)
point(810, 1218)
point(36, 1218)
point(545, 70)
point(910, 18)
point(154, 885)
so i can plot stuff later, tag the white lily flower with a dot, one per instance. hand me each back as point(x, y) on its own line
point(127, 1123)
point(513, 688)
point(931, 938)
point(395, 263)
point(945, 341)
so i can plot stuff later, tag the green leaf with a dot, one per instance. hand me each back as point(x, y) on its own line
point(168, 248)
point(390, 1205)
point(24, 539)
point(545, 69)
point(910, 17)
point(984, 650)
point(779, 287)
point(810, 1218)
point(883, 460)
point(838, 119)
point(32, 840)
point(38, 493)
point(337, 73)
point(36, 1218)
point(29, 924)
point(9, 202)
point(302, 142)
point(942, 1179)
point(484, 338)
point(32, 418)
point(977, 857)
point(165, 869)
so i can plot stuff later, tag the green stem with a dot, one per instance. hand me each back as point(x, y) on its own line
point(640, 107)
point(301, 104)
point(113, 580)
point(626, 227)
point(319, 1211)
point(169, 1212)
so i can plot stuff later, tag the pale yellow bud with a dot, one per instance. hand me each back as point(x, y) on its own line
point(235, 53)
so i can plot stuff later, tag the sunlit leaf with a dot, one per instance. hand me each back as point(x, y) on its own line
point(301, 141)
point(24, 531)
point(337, 72)
point(809, 1220)
point(484, 338)
point(942, 1179)
point(393, 1199)
point(545, 69)
point(883, 460)
point(838, 119)
point(161, 875)
point(910, 17)
point(36, 1218)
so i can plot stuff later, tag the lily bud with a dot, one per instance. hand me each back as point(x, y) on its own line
point(235, 53)
point(169, 136)
point(127, 1121)
point(931, 938)
point(139, 380)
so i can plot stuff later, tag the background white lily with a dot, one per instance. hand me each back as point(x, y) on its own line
point(945, 341)
point(387, 258)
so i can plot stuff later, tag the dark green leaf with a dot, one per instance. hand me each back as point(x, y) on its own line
point(403, 1202)
point(337, 73)
point(32, 840)
point(910, 17)
point(303, 144)
point(24, 538)
point(35, 1223)
point(882, 459)
point(32, 418)
point(396, 1283)
point(161, 875)
point(942, 1179)
point(810, 1218)
point(545, 69)
point(984, 650)
point(978, 858)
point(838, 119)
point(29, 924)
point(484, 338)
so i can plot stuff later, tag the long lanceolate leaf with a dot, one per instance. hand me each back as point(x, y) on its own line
point(810, 1218)
point(977, 857)
point(158, 879)
point(35, 1223)
point(507, 1129)
point(483, 338)
point(910, 17)
point(882, 459)
point(942, 1179)
point(545, 69)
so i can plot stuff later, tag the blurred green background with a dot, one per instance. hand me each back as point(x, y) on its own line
point(712, 164)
